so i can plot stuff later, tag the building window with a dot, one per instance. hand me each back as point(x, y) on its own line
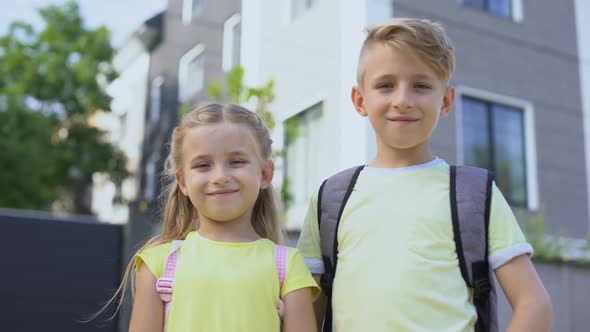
point(150, 179)
point(302, 151)
point(156, 99)
point(503, 8)
point(298, 7)
point(494, 138)
point(231, 42)
point(122, 127)
point(190, 9)
point(191, 74)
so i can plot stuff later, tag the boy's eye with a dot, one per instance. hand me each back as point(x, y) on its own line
point(384, 86)
point(201, 165)
point(422, 86)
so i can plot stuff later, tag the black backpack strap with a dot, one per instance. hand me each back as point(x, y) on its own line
point(470, 193)
point(332, 197)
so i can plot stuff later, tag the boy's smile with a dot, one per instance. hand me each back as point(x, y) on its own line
point(403, 99)
point(403, 119)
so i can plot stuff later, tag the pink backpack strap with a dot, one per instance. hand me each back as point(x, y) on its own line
point(165, 284)
point(281, 253)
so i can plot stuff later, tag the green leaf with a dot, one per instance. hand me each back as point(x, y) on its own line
point(215, 91)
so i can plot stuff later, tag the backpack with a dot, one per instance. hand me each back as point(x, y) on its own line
point(470, 200)
point(165, 284)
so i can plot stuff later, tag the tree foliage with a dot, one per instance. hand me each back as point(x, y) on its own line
point(238, 93)
point(51, 83)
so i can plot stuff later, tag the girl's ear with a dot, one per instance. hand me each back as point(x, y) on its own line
point(268, 172)
point(181, 183)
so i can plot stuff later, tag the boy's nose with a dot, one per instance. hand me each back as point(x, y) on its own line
point(402, 99)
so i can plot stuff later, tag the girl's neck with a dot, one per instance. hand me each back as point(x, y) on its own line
point(240, 230)
point(388, 157)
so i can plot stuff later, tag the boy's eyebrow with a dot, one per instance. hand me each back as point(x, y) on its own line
point(383, 76)
point(414, 76)
point(424, 76)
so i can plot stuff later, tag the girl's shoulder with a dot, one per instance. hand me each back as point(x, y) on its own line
point(154, 257)
point(157, 249)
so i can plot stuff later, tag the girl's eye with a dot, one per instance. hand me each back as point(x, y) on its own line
point(237, 162)
point(201, 165)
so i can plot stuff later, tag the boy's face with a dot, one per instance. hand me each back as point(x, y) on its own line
point(402, 97)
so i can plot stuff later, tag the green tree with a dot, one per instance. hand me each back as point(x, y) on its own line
point(52, 82)
point(238, 93)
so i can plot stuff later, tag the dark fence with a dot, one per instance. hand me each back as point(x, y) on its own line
point(56, 271)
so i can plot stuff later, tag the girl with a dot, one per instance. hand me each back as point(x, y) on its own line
point(225, 275)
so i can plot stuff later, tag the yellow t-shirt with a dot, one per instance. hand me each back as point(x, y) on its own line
point(222, 286)
point(397, 264)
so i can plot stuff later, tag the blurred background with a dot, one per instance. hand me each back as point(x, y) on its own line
point(90, 91)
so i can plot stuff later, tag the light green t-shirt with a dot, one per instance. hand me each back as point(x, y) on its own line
point(397, 264)
point(221, 286)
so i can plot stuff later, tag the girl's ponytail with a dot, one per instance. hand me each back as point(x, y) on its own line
point(265, 216)
point(180, 216)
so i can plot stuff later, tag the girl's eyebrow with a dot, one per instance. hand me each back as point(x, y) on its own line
point(199, 157)
point(240, 152)
point(237, 152)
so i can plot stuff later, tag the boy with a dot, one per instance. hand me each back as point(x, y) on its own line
point(397, 267)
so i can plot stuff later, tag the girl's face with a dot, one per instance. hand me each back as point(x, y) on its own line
point(222, 171)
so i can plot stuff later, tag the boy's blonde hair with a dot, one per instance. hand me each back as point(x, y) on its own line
point(423, 38)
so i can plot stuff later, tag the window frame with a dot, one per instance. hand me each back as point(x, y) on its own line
point(308, 5)
point(156, 88)
point(188, 12)
point(531, 177)
point(306, 114)
point(150, 179)
point(228, 41)
point(183, 93)
point(515, 13)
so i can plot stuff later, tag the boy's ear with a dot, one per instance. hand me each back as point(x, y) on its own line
point(448, 102)
point(268, 172)
point(181, 183)
point(358, 101)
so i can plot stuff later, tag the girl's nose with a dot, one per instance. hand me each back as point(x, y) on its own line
point(220, 175)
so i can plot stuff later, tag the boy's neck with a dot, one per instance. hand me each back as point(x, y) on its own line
point(398, 158)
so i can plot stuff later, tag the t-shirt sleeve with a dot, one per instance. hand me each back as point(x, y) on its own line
point(298, 276)
point(154, 258)
point(507, 240)
point(309, 240)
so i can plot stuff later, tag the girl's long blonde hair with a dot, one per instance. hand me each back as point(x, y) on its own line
point(180, 216)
